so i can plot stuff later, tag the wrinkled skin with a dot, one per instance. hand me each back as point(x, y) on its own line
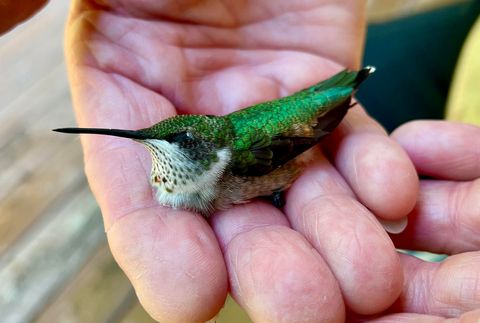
point(445, 220)
point(134, 63)
point(131, 65)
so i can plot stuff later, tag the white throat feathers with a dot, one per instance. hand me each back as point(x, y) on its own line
point(181, 182)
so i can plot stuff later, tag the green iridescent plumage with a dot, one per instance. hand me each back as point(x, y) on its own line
point(270, 134)
point(206, 127)
point(258, 134)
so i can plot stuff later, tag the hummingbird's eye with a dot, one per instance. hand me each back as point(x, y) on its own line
point(184, 139)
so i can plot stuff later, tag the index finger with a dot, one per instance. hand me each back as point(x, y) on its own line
point(376, 167)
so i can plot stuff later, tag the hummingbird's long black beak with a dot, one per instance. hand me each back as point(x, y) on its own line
point(132, 134)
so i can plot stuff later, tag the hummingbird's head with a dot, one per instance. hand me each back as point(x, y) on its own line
point(187, 152)
point(189, 155)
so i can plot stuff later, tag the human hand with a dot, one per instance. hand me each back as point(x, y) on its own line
point(134, 63)
point(445, 220)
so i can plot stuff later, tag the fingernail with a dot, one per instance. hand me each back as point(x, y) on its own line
point(394, 227)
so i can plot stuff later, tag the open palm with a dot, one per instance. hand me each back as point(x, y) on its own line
point(132, 64)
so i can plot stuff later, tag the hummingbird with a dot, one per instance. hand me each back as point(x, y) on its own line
point(205, 163)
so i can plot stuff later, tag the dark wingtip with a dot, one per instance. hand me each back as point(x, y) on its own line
point(363, 74)
point(131, 134)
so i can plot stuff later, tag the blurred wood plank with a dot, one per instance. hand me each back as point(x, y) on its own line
point(37, 167)
point(50, 182)
point(32, 50)
point(98, 293)
point(53, 252)
point(26, 140)
point(49, 93)
point(50, 225)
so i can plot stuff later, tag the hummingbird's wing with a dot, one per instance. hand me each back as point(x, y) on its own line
point(268, 153)
point(272, 133)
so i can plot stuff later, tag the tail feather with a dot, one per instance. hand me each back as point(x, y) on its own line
point(344, 78)
point(328, 121)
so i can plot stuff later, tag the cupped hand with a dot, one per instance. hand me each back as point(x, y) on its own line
point(446, 220)
point(132, 64)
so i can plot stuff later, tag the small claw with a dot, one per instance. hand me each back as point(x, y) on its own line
point(278, 200)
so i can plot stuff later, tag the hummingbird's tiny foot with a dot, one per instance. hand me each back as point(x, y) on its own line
point(278, 199)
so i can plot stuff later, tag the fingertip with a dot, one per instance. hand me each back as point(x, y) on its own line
point(174, 262)
point(375, 166)
point(277, 276)
point(241, 218)
point(349, 238)
point(380, 173)
point(356, 248)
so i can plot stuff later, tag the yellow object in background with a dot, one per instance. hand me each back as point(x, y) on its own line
point(385, 10)
point(464, 98)
point(231, 313)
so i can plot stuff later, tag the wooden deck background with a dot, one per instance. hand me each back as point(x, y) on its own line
point(55, 265)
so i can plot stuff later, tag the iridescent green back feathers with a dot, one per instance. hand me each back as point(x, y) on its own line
point(269, 134)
